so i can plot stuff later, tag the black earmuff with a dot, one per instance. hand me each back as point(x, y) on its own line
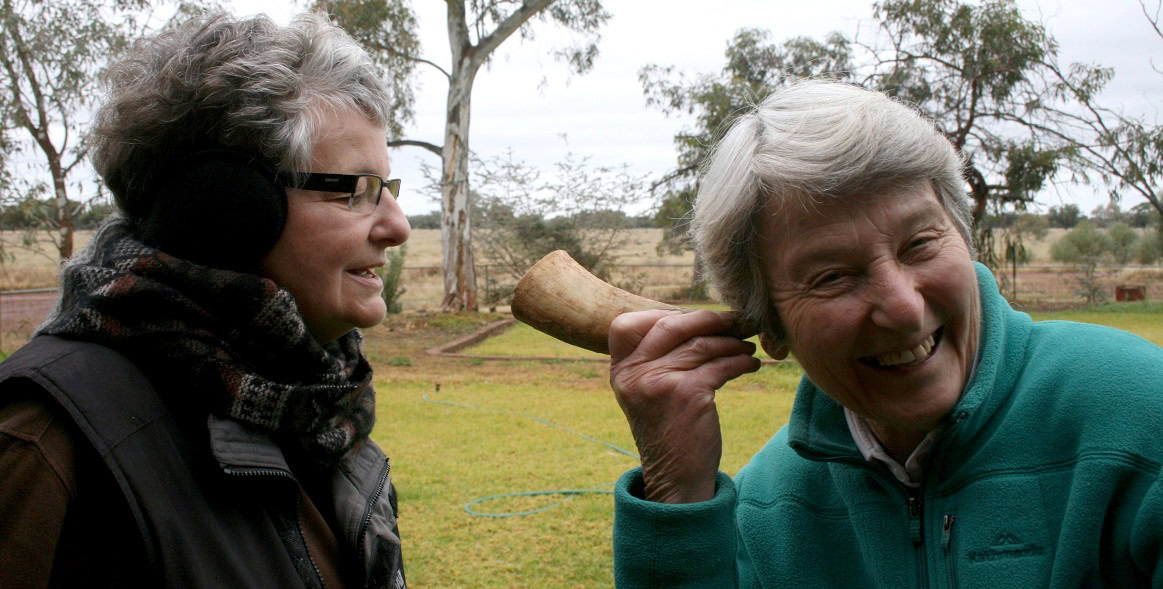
point(217, 207)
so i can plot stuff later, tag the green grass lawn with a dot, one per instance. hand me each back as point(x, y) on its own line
point(488, 435)
point(1142, 319)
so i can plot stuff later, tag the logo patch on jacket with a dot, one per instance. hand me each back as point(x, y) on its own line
point(1005, 546)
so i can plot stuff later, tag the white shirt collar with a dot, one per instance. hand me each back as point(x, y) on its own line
point(873, 451)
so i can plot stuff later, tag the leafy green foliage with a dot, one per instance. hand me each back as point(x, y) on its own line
point(1065, 216)
point(1123, 241)
point(983, 72)
point(51, 54)
point(1125, 152)
point(1143, 215)
point(755, 67)
point(1151, 245)
point(673, 215)
point(430, 220)
point(1084, 242)
point(1106, 215)
point(389, 31)
point(979, 70)
point(390, 275)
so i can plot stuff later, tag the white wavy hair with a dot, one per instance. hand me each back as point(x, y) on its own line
point(813, 139)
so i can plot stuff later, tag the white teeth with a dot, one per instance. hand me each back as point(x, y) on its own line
point(904, 357)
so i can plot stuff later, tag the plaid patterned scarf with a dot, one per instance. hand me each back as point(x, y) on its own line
point(236, 340)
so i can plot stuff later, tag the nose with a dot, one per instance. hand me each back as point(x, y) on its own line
point(390, 227)
point(896, 301)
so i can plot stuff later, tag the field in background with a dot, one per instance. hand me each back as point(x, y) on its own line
point(460, 429)
point(423, 277)
point(640, 270)
point(30, 260)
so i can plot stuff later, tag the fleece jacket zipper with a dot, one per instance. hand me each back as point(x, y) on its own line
point(917, 535)
point(947, 543)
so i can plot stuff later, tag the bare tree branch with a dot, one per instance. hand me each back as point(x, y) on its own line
point(436, 149)
point(1154, 21)
point(507, 27)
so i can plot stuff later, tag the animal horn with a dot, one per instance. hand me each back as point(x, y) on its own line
point(559, 297)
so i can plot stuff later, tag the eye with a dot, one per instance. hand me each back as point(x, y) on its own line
point(355, 200)
point(829, 279)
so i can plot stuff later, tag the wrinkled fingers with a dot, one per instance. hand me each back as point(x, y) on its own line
point(667, 332)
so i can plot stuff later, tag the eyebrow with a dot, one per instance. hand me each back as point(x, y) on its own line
point(824, 250)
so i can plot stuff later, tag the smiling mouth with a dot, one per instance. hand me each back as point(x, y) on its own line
point(364, 272)
point(907, 358)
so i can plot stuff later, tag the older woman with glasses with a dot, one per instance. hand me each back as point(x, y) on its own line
point(196, 410)
point(938, 437)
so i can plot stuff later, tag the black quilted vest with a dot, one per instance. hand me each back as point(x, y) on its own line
point(226, 518)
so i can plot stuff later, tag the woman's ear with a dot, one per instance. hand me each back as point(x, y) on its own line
point(776, 351)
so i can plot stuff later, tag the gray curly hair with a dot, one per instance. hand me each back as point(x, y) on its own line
point(814, 139)
point(216, 80)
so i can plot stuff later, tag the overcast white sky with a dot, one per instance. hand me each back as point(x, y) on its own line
point(603, 114)
point(528, 102)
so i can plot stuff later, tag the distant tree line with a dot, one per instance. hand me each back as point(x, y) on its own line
point(431, 220)
point(1066, 216)
point(33, 213)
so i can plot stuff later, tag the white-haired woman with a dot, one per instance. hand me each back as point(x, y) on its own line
point(196, 411)
point(938, 437)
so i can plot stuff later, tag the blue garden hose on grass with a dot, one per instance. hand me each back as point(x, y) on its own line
point(468, 507)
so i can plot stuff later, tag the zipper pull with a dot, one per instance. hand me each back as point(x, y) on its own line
point(947, 531)
point(915, 519)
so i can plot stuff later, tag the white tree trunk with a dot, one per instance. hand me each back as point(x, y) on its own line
point(460, 291)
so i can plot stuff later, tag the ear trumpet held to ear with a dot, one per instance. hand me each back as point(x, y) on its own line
point(558, 297)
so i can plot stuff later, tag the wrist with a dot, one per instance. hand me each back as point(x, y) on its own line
point(660, 490)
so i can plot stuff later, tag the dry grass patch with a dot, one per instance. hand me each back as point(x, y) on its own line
point(31, 260)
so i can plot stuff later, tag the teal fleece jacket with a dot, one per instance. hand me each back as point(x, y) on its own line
point(1046, 475)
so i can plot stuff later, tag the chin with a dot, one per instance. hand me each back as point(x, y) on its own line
point(368, 320)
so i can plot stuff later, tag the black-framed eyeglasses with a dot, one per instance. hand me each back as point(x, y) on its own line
point(364, 190)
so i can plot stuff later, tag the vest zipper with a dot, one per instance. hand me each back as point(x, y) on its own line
point(258, 471)
point(917, 534)
point(245, 472)
point(947, 542)
point(307, 549)
point(367, 517)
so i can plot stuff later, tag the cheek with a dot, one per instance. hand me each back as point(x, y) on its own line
point(815, 327)
point(953, 288)
point(301, 263)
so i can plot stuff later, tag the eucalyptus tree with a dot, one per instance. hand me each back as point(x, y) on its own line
point(51, 54)
point(1125, 151)
point(981, 71)
point(755, 67)
point(476, 28)
point(974, 69)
